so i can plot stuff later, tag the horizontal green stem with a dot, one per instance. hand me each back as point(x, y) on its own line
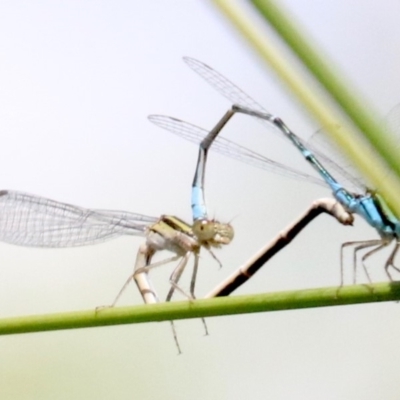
point(290, 300)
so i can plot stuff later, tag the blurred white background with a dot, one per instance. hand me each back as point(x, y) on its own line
point(77, 81)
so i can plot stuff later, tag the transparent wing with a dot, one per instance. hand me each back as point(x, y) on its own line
point(228, 148)
point(327, 150)
point(342, 168)
point(224, 86)
point(29, 220)
point(236, 96)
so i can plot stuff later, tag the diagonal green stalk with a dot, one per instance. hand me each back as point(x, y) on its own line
point(290, 300)
point(322, 69)
point(340, 90)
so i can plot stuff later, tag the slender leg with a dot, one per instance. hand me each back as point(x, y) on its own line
point(176, 275)
point(363, 244)
point(140, 275)
point(214, 256)
point(174, 279)
point(157, 264)
point(145, 283)
point(194, 274)
point(370, 253)
point(141, 278)
point(192, 286)
point(390, 261)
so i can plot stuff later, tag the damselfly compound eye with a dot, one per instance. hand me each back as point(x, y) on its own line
point(204, 229)
point(213, 232)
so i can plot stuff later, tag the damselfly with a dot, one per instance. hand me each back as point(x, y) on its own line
point(29, 220)
point(366, 203)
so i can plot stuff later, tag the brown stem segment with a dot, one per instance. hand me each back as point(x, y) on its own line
point(246, 271)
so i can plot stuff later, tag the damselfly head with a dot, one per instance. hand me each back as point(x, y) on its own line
point(213, 232)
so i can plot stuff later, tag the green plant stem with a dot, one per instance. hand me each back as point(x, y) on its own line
point(290, 300)
point(322, 69)
point(341, 91)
